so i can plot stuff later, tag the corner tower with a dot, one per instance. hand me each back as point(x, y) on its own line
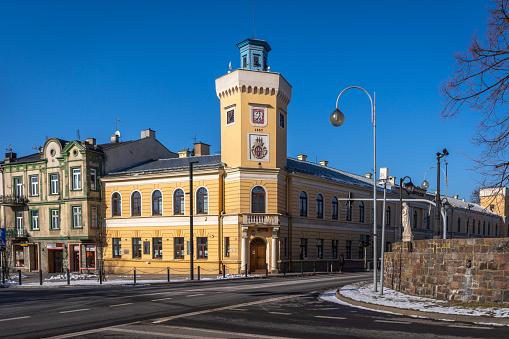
point(254, 111)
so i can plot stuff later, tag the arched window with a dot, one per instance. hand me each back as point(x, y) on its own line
point(335, 210)
point(258, 200)
point(178, 202)
point(319, 206)
point(303, 204)
point(388, 216)
point(136, 204)
point(415, 219)
point(459, 225)
point(157, 203)
point(116, 204)
point(361, 211)
point(348, 210)
point(202, 198)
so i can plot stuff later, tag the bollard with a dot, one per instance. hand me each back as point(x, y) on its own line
point(100, 276)
point(135, 275)
point(246, 271)
point(168, 269)
point(331, 266)
point(198, 273)
point(40, 277)
point(224, 271)
point(327, 266)
point(284, 269)
point(301, 268)
point(68, 276)
point(314, 267)
point(19, 274)
point(266, 270)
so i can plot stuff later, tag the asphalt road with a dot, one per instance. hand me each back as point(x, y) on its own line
point(287, 307)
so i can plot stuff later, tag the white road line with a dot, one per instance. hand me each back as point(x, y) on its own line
point(327, 317)
point(15, 318)
point(83, 309)
point(195, 295)
point(120, 305)
point(161, 320)
point(282, 313)
point(161, 299)
point(392, 322)
point(469, 326)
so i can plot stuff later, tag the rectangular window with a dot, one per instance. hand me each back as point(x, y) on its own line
point(178, 244)
point(94, 217)
point(349, 249)
point(55, 220)
point(244, 61)
point(90, 256)
point(34, 186)
point(201, 244)
point(18, 186)
point(256, 60)
point(361, 250)
point(136, 242)
point(319, 248)
point(54, 183)
point(35, 220)
point(157, 248)
point(76, 178)
point(334, 249)
point(303, 248)
point(117, 247)
point(281, 120)
point(20, 256)
point(93, 179)
point(348, 212)
point(76, 217)
point(227, 246)
point(19, 223)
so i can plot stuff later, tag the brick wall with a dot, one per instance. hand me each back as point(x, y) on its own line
point(450, 269)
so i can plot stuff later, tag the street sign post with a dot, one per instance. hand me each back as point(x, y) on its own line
point(2, 237)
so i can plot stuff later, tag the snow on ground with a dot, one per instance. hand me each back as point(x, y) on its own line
point(363, 291)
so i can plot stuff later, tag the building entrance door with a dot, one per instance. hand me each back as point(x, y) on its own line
point(76, 258)
point(55, 260)
point(258, 254)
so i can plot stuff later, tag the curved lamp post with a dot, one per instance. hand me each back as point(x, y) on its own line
point(409, 187)
point(425, 184)
point(337, 118)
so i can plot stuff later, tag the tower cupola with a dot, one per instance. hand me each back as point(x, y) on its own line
point(253, 54)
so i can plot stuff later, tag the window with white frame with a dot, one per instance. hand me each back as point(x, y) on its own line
point(93, 179)
point(76, 217)
point(76, 178)
point(34, 186)
point(19, 222)
point(54, 183)
point(55, 220)
point(18, 186)
point(35, 220)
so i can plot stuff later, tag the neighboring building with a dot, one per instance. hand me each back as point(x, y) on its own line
point(253, 206)
point(497, 200)
point(51, 200)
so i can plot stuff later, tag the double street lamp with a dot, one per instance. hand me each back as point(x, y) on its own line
point(437, 197)
point(337, 118)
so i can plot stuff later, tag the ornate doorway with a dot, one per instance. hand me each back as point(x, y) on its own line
point(258, 254)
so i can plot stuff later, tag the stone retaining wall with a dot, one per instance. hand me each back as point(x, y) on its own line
point(450, 269)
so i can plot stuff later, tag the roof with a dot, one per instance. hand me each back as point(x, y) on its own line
point(25, 159)
point(466, 205)
point(169, 165)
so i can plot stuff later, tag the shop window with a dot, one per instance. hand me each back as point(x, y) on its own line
point(178, 244)
point(19, 256)
point(90, 256)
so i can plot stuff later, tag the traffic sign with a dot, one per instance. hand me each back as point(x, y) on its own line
point(2, 236)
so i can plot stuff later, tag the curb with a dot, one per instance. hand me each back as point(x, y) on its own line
point(429, 315)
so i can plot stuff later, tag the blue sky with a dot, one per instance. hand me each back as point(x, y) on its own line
point(69, 65)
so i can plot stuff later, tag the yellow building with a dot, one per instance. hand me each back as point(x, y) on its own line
point(253, 206)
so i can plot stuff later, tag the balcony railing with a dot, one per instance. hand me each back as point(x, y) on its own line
point(13, 200)
point(260, 219)
point(16, 233)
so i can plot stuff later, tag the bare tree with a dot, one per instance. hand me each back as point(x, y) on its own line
point(480, 81)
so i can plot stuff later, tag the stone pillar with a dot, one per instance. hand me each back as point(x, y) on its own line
point(244, 249)
point(274, 256)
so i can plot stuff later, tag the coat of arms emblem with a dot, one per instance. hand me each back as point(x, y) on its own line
point(258, 149)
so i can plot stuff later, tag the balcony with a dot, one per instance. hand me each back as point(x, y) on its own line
point(13, 200)
point(16, 233)
point(260, 219)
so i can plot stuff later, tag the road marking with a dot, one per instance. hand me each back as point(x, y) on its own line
point(195, 295)
point(392, 322)
point(282, 313)
point(161, 320)
point(83, 309)
point(327, 317)
point(161, 299)
point(15, 318)
point(468, 326)
point(120, 305)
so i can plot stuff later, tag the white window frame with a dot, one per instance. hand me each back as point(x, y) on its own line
point(93, 179)
point(19, 222)
point(55, 220)
point(34, 186)
point(77, 220)
point(54, 183)
point(19, 186)
point(76, 179)
point(35, 220)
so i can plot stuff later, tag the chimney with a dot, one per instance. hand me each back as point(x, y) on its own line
point(201, 148)
point(9, 156)
point(392, 180)
point(184, 153)
point(148, 133)
point(368, 175)
point(91, 141)
point(302, 157)
point(324, 163)
point(114, 138)
point(456, 196)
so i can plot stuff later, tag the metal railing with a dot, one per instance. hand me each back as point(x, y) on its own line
point(13, 199)
point(16, 233)
point(260, 219)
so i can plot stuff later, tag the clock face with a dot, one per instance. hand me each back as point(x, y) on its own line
point(258, 116)
point(230, 117)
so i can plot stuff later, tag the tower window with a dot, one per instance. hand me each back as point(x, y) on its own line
point(244, 61)
point(256, 60)
point(281, 120)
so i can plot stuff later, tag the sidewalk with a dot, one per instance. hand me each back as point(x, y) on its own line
point(361, 295)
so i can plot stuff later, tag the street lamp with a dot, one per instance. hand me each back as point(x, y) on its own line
point(409, 187)
point(337, 118)
point(437, 197)
point(425, 184)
